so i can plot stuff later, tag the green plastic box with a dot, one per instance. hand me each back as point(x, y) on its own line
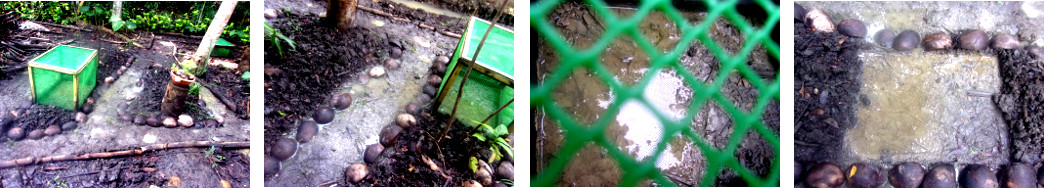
point(222, 48)
point(63, 76)
point(491, 83)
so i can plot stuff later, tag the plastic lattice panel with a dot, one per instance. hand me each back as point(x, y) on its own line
point(577, 135)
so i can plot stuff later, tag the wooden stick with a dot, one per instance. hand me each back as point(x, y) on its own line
point(137, 151)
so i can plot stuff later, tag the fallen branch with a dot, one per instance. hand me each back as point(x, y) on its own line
point(421, 25)
point(137, 151)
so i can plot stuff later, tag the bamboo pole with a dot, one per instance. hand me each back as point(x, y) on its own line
point(136, 151)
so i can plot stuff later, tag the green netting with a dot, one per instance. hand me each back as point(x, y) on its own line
point(576, 135)
point(64, 76)
point(489, 85)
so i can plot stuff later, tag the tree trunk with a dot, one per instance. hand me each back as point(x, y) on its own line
point(217, 25)
point(117, 9)
point(340, 13)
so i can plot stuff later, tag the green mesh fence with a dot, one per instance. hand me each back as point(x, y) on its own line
point(577, 135)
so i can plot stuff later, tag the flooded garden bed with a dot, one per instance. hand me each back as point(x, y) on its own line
point(866, 96)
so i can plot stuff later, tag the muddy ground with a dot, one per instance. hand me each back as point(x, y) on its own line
point(104, 130)
point(295, 87)
point(921, 106)
point(586, 96)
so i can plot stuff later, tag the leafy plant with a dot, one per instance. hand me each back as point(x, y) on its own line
point(494, 137)
point(276, 37)
point(194, 89)
point(246, 76)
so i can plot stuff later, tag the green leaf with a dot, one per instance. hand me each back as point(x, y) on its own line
point(132, 25)
point(84, 9)
point(473, 164)
point(116, 25)
point(246, 76)
point(479, 136)
point(506, 146)
point(500, 130)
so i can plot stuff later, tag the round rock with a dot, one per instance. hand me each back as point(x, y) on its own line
point(373, 151)
point(973, 40)
point(819, 21)
point(271, 13)
point(852, 27)
point(391, 64)
point(884, 37)
point(323, 115)
point(81, 117)
point(978, 176)
point(185, 120)
point(284, 148)
point(377, 71)
point(53, 130)
point(824, 175)
point(16, 133)
point(395, 53)
point(169, 122)
point(342, 101)
point(390, 135)
point(862, 175)
point(1005, 41)
point(905, 41)
point(442, 60)
point(506, 171)
point(36, 134)
point(139, 120)
point(424, 99)
point(429, 90)
point(906, 175)
point(1019, 175)
point(356, 173)
point(412, 108)
point(434, 80)
point(937, 41)
point(272, 166)
point(306, 131)
point(69, 126)
point(406, 120)
point(940, 176)
point(153, 122)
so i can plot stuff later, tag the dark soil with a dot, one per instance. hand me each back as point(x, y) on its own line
point(1020, 99)
point(393, 168)
point(325, 58)
point(824, 61)
point(148, 103)
point(230, 88)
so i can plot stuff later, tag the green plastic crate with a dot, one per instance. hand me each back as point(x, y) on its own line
point(63, 76)
point(222, 48)
point(491, 84)
point(577, 135)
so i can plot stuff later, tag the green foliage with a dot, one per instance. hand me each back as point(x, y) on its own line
point(245, 76)
point(57, 12)
point(194, 88)
point(276, 38)
point(494, 137)
point(190, 18)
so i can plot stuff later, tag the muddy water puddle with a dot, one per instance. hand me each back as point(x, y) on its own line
point(635, 130)
point(926, 106)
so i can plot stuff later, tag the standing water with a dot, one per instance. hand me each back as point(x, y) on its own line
point(635, 130)
point(929, 106)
